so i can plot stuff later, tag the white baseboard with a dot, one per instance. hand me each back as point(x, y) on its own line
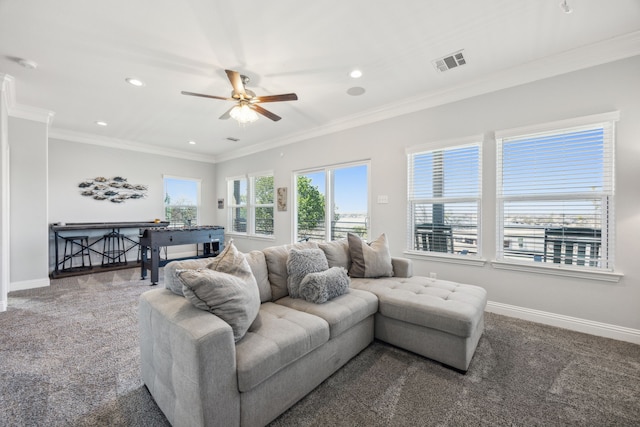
point(29, 284)
point(606, 330)
point(3, 306)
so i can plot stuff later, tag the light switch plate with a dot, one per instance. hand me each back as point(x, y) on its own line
point(383, 199)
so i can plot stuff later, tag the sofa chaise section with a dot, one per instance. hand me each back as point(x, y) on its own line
point(437, 319)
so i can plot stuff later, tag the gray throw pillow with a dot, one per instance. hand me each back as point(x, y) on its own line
point(369, 259)
point(300, 263)
point(322, 286)
point(234, 299)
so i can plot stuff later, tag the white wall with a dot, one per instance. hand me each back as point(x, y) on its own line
point(614, 86)
point(4, 194)
point(71, 163)
point(28, 203)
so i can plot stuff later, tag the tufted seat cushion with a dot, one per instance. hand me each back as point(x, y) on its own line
point(341, 313)
point(438, 304)
point(282, 336)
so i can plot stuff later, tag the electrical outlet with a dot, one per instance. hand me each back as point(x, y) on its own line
point(433, 275)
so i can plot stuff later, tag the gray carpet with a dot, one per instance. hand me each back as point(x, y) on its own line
point(69, 357)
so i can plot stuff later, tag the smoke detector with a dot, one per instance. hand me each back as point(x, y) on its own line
point(450, 61)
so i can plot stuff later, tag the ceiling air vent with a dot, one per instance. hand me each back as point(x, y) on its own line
point(451, 61)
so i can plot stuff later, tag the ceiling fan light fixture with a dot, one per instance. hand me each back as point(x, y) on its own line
point(243, 114)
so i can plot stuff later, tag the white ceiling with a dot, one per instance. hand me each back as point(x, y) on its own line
point(85, 49)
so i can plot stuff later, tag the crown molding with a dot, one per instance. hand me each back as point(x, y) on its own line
point(123, 144)
point(23, 111)
point(610, 50)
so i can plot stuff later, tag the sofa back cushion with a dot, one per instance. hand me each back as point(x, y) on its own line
point(258, 265)
point(276, 257)
point(337, 253)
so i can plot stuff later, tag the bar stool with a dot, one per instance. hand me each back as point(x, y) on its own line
point(76, 246)
point(113, 252)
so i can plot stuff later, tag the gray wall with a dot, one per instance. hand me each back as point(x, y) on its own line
point(5, 278)
point(614, 86)
point(70, 163)
point(28, 202)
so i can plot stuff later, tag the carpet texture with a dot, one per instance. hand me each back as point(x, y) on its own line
point(69, 357)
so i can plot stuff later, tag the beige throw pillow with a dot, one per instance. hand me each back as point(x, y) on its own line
point(227, 288)
point(369, 259)
point(234, 299)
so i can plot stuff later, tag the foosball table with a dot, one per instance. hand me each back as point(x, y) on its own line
point(152, 239)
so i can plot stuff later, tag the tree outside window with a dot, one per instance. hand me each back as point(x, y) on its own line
point(181, 201)
point(331, 202)
point(251, 204)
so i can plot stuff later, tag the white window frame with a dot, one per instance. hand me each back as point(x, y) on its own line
point(250, 205)
point(329, 196)
point(605, 273)
point(475, 140)
point(253, 205)
point(198, 205)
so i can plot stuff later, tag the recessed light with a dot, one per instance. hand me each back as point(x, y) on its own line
point(192, 142)
point(101, 123)
point(134, 82)
point(355, 74)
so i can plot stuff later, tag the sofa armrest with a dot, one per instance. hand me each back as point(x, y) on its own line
point(188, 361)
point(171, 280)
point(402, 267)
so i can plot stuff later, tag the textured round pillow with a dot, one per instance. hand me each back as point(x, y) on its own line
point(322, 286)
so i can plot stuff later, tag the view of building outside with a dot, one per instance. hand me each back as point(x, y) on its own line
point(181, 201)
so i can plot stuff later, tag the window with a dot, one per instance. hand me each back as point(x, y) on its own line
point(332, 201)
point(555, 194)
point(263, 204)
point(444, 199)
point(181, 201)
point(251, 204)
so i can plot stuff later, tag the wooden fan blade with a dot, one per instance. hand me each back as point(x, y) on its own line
point(266, 113)
point(236, 82)
point(277, 98)
point(226, 114)
point(207, 96)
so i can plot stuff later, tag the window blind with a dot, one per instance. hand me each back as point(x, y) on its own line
point(555, 196)
point(444, 191)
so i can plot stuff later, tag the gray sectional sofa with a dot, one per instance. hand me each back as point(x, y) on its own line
point(200, 374)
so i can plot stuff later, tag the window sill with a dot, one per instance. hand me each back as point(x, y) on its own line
point(441, 257)
point(559, 270)
point(250, 236)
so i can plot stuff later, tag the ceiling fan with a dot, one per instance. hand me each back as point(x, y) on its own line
point(247, 102)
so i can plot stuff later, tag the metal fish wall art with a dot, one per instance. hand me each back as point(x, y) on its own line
point(116, 189)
